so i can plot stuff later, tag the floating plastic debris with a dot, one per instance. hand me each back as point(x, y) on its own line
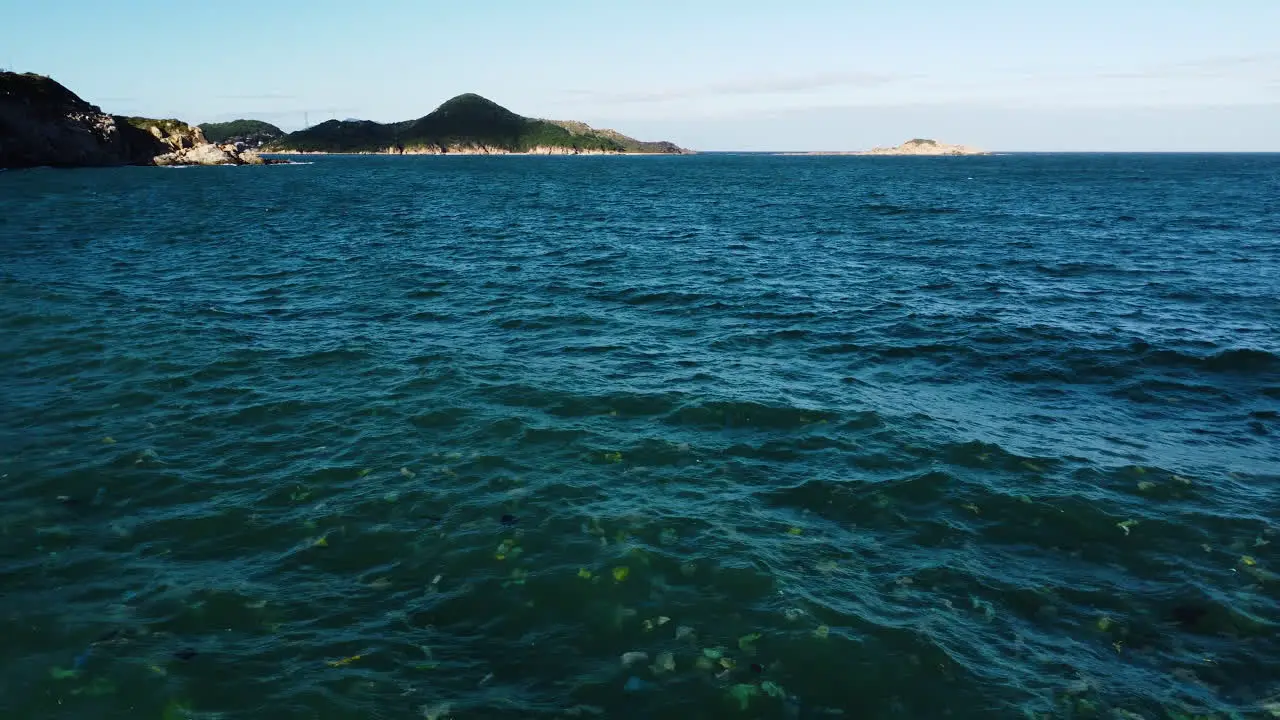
point(972, 508)
point(684, 632)
point(745, 642)
point(1248, 561)
point(795, 531)
point(504, 549)
point(1145, 485)
point(58, 673)
point(519, 576)
point(391, 497)
point(635, 684)
point(666, 662)
point(714, 653)
point(663, 620)
point(108, 440)
point(613, 457)
point(773, 689)
point(406, 472)
point(827, 567)
point(1126, 525)
point(1104, 623)
point(584, 573)
point(364, 472)
point(321, 542)
point(821, 632)
point(1182, 480)
point(728, 663)
point(647, 625)
point(792, 614)
point(743, 693)
point(344, 661)
point(621, 573)
point(631, 658)
point(158, 670)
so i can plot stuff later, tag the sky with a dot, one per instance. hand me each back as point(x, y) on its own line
point(1026, 75)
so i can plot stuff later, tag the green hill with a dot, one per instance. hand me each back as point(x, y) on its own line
point(250, 132)
point(465, 124)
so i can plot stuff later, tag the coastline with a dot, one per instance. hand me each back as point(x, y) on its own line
point(474, 153)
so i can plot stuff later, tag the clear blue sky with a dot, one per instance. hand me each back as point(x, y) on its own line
point(711, 74)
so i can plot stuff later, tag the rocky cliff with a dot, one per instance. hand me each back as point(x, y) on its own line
point(43, 123)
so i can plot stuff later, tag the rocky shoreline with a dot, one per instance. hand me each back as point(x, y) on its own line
point(469, 150)
point(43, 124)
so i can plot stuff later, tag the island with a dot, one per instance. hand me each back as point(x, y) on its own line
point(917, 146)
point(43, 124)
point(242, 133)
point(465, 125)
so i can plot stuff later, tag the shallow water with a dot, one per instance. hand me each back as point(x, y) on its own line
point(447, 437)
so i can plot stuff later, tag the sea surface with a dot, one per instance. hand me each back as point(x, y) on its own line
point(722, 436)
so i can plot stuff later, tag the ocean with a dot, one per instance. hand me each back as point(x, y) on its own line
point(716, 436)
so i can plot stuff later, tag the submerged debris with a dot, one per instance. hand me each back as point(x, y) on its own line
point(743, 693)
point(631, 658)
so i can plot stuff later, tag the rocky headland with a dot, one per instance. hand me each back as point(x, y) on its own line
point(918, 146)
point(465, 125)
point(43, 123)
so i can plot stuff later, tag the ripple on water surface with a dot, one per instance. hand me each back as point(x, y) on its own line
point(720, 436)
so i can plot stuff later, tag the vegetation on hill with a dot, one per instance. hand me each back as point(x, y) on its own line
point(250, 131)
point(466, 121)
point(170, 126)
point(629, 144)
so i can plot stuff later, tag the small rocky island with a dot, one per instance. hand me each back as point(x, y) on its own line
point(918, 146)
point(43, 123)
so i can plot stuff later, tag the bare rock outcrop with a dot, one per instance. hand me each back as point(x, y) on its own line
point(43, 123)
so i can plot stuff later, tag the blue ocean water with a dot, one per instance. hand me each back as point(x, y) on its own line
point(652, 437)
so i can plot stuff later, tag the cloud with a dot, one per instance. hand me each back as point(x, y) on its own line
point(759, 86)
point(1224, 66)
